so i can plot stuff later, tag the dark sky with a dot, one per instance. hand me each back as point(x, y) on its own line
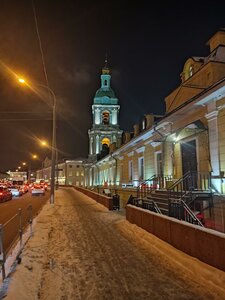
point(147, 46)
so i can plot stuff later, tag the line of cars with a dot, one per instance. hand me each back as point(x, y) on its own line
point(8, 190)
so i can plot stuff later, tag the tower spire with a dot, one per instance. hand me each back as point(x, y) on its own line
point(105, 69)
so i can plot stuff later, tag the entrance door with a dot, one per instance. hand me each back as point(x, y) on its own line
point(189, 160)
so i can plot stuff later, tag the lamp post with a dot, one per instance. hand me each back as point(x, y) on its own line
point(53, 156)
point(53, 148)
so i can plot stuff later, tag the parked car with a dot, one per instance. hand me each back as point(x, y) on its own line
point(25, 188)
point(37, 190)
point(15, 190)
point(44, 185)
point(5, 194)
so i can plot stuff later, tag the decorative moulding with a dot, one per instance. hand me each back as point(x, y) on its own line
point(212, 115)
point(155, 144)
point(141, 149)
point(130, 154)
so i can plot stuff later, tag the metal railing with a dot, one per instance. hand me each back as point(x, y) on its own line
point(155, 182)
point(181, 211)
point(190, 182)
point(151, 205)
point(15, 226)
point(146, 204)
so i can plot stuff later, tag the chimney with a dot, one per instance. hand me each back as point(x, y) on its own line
point(126, 137)
point(136, 129)
point(217, 39)
point(150, 120)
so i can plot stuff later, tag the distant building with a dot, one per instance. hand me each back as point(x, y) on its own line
point(4, 175)
point(68, 172)
point(17, 176)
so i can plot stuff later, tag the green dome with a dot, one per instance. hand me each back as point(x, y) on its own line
point(103, 92)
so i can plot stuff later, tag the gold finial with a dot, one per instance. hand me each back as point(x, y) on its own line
point(105, 69)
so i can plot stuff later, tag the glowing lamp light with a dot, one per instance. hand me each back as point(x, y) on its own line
point(21, 80)
point(43, 143)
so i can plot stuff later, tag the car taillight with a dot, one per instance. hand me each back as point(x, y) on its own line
point(1, 193)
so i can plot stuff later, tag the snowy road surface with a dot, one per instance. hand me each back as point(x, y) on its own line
point(80, 250)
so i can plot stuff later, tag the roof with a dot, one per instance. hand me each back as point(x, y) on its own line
point(105, 96)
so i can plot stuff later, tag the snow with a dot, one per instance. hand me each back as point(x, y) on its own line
point(80, 250)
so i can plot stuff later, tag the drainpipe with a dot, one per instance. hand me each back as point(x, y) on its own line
point(98, 176)
point(115, 176)
point(163, 147)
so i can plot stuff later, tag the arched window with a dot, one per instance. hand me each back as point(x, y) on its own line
point(106, 141)
point(190, 71)
point(105, 82)
point(105, 117)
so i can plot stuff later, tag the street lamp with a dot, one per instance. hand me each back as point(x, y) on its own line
point(53, 156)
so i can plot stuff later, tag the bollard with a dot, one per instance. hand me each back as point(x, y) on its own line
point(2, 254)
point(20, 226)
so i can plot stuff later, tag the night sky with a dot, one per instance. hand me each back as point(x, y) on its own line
point(147, 46)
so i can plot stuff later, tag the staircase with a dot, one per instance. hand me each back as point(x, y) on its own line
point(160, 197)
point(182, 200)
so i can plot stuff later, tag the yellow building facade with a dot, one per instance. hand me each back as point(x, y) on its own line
point(189, 137)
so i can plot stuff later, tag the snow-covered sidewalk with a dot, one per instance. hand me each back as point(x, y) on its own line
point(80, 250)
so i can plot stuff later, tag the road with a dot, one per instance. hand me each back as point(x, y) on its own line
point(9, 209)
point(83, 251)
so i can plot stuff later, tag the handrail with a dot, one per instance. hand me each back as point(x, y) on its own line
point(181, 179)
point(178, 214)
point(188, 210)
point(153, 183)
point(146, 180)
point(156, 207)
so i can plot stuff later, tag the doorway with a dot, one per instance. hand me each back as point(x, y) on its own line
point(189, 160)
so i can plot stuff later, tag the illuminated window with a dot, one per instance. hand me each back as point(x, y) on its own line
point(130, 170)
point(159, 169)
point(70, 173)
point(77, 173)
point(141, 167)
point(77, 183)
point(191, 71)
point(82, 173)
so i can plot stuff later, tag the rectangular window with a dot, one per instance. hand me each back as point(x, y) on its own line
point(130, 170)
point(141, 168)
point(77, 183)
point(70, 173)
point(78, 166)
point(159, 169)
point(70, 166)
point(82, 173)
point(77, 173)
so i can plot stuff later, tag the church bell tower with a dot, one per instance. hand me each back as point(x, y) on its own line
point(105, 111)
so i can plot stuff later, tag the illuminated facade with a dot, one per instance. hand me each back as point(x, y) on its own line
point(105, 110)
point(68, 172)
point(190, 137)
